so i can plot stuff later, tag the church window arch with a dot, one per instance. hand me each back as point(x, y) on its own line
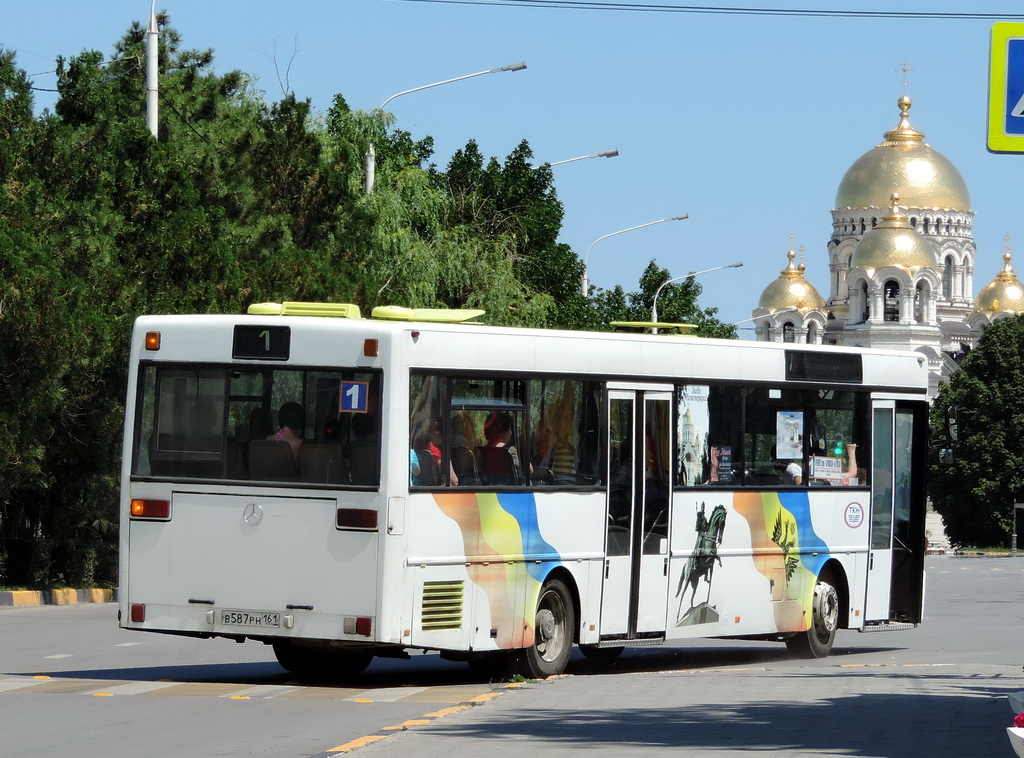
point(788, 332)
point(812, 333)
point(947, 278)
point(921, 296)
point(891, 301)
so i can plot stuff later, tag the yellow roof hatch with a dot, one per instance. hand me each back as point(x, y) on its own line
point(441, 315)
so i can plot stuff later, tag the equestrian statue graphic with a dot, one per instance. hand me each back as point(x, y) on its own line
point(701, 564)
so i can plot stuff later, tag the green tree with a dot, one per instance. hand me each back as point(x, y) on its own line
point(975, 493)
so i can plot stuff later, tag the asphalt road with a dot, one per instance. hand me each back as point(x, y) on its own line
point(932, 692)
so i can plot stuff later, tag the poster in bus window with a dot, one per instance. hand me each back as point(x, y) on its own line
point(693, 435)
point(721, 464)
point(789, 435)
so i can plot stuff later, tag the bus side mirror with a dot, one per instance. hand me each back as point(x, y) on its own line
point(952, 423)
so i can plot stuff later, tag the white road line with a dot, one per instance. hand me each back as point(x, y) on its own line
point(388, 694)
point(55, 657)
point(133, 688)
point(262, 691)
point(18, 682)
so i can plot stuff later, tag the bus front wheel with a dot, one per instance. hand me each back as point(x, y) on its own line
point(817, 641)
point(553, 629)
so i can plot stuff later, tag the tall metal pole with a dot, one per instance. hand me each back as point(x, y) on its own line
point(152, 73)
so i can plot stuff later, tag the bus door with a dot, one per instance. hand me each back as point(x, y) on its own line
point(897, 543)
point(639, 440)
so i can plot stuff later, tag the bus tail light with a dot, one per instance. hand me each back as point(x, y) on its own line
point(151, 509)
point(152, 340)
point(357, 518)
point(370, 348)
point(138, 613)
point(361, 625)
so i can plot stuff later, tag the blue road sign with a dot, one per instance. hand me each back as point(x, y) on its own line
point(1006, 89)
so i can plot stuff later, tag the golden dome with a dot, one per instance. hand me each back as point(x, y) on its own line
point(1004, 293)
point(791, 291)
point(894, 242)
point(904, 163)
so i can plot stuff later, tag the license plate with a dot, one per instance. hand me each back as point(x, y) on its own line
point(250, 618)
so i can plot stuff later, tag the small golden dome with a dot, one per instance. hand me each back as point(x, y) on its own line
point(903, 162)
point(791, 291)
point(1004, 293)
point(894, 242)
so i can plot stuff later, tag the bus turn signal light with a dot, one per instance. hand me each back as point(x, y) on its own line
point(370, 347)
point(151, 509)
point(357, 518)
point(152, 340)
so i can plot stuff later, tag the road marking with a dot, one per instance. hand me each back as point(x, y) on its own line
point(387, 694)
point(263, 691)
point(134, 688)
point(17, 683)
point(55, 657)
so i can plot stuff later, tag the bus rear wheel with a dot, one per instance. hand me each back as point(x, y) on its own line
point(553, 629)
point(817, 641)
point(320, 662)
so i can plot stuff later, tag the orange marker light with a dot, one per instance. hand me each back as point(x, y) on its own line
point(370, 348)
point(151, 509)
point(152, 340)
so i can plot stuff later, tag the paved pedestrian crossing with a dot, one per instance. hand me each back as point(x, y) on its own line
point(441, 695)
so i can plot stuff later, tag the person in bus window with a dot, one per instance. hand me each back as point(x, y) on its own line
point(291, 419)
point(498, 433)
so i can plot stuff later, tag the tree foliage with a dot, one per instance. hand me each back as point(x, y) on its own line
point(238, 201)
point(975, 493)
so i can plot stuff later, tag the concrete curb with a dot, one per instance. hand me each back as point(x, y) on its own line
point(25, 598)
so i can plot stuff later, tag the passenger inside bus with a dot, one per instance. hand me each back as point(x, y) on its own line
point(499, 458)
point(291, 418)
point(362, 451)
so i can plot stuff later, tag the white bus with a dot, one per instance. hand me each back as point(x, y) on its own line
point(342, 487)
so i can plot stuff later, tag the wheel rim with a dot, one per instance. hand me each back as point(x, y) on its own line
point(549, 627)
point(826, 610)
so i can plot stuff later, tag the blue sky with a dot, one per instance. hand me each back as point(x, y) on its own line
point(746, 123)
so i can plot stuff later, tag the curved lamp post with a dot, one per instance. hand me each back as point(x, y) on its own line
point(584, 281)
point(654, 304)
point(605, 154)
point(371, 152)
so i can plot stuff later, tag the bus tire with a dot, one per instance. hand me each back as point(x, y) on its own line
point(320, 663)
point(817, 641)
point(553, 630)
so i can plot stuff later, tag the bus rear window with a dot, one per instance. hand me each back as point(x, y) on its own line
point(285, 425)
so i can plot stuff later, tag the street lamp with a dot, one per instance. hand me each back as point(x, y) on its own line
point(654, 304)
point(584, 281)
point(371, 152)
point(605, 154)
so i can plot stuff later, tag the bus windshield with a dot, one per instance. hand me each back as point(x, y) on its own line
point(273, 425)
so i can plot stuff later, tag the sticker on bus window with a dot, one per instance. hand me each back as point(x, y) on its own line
point(352, 397)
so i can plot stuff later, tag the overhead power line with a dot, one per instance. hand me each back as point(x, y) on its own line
point(591, 5)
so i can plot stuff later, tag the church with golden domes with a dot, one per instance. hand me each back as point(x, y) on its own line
point(901, 262)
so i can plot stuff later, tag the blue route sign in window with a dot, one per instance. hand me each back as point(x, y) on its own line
point(352, 397)
point(1006, 89)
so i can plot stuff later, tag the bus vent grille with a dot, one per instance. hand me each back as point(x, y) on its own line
point(442, 605)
